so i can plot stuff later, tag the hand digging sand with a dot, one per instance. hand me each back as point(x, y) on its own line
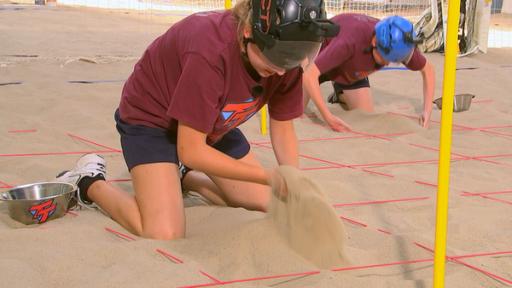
point(305, 219)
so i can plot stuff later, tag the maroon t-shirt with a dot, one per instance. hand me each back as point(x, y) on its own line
point(194, 73)
point(347, 58)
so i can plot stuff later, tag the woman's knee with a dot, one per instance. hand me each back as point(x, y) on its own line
point(162, 233)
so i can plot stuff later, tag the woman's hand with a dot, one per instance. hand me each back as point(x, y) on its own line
point(279, 188)
point(337, 124)
point(424, 119)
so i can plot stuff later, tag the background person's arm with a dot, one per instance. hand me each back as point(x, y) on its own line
point(429, 81)
point(312, 90)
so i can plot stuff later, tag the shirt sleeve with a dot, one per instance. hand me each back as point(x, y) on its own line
point(198, 94)
point(332, 56)
point(287, 102)
point(417, 61)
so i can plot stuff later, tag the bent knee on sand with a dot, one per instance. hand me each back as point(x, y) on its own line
point(162, 233)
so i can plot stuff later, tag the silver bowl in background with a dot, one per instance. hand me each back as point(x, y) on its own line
point(39, 202)
point(461, 102)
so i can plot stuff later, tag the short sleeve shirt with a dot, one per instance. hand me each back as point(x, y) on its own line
point(194, 73)
point(347, 57)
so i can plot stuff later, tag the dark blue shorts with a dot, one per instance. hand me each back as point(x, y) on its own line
point(338, 87)
point(143, 145)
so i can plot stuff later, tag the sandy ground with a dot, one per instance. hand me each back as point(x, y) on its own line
point(381, 178)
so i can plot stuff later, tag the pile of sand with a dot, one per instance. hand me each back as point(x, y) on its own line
point(305, 219)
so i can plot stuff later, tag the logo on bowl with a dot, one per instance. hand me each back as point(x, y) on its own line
point(43, 210)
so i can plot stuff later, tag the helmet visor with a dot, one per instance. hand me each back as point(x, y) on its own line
point(291, 54)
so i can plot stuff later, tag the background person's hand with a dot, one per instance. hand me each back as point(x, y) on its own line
point(424, 119)
point(337, 124)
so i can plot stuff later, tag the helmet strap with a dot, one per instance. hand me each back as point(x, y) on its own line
point(247, 63)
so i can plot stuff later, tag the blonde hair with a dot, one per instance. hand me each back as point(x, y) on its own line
point(243, 16)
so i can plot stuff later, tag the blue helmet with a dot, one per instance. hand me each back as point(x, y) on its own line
point(395, 38)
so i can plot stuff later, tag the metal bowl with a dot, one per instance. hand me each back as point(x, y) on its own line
point(39, 202)
point(461, 102)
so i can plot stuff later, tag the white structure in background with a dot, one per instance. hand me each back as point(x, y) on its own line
point(429, 16)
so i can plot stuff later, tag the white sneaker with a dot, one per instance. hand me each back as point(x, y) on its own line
point(89, 165)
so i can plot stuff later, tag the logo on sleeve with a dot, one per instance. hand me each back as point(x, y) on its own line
point(235, 114)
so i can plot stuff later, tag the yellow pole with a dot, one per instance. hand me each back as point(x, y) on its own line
point(450, 61)
point(227, 4)
point(263, 124)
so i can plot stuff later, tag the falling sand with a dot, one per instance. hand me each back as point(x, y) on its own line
point(305, 219)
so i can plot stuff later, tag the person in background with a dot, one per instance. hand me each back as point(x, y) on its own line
point(364, 45)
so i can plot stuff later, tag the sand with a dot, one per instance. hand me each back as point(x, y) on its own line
point(303, 216)
point(380, 179)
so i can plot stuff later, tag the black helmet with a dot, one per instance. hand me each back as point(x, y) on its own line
point(290, 31)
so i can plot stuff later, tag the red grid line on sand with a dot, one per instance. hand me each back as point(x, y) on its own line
point(119, 234)
point(352, 221)
point(463, 127)
point(437, 150)
point(452, 258)
point(492, 127)
point(210, 277)
point(169, 256)
point(380, 202)
point(396, 163)
point(333, 165)
point(82, 139)
point(382, 265)
point(92, 142)
point(487, 197)
point(378, 173)
point(337, 165)
point(369, 135)
point(58, 153)
point(360, 267)
point(177, 260)
point(425, 183)
point(466, 157)
point(5, 185)
point(252, 279)
point(499, 253)
point(361, 135)
point(486, 193)
point(461, 157)
point(384, 231)
point(22, 131)
point(456, 260)
point(497, 133)
point(393, 163)
point(320, 168)
point(492, 156)
point(482, 158)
